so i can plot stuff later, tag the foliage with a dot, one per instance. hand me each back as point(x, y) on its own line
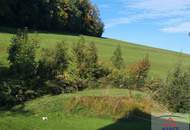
point(139, 72)
point(153, 85)
point(75, 16)
point(22, 57)
point(85, 59)
point(6, 99)
point(53, 62)
point(87, 70)
point(118, 78)
point(176, 91)
point(45, 70)
point(117, 59)
point(61, 58)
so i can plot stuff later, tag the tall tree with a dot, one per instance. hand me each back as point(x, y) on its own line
point(22, 56)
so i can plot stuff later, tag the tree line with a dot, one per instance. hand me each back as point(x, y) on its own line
point(60, 70)
point(73, 16)
point(57, 70)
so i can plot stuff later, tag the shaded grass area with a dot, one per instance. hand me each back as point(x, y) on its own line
point(161, 60)
point(74, 122)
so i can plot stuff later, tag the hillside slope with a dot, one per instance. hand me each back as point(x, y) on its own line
point(161, 60)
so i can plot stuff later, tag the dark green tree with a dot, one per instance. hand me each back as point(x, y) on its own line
point(22, 56)
point(176, 91)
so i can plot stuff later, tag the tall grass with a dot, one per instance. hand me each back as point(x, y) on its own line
point(108, 106)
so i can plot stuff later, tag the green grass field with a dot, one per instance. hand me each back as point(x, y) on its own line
point(162, 60)
point(29, 116)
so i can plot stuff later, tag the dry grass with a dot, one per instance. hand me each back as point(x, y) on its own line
point(115, 107)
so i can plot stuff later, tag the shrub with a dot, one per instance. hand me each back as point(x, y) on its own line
point(79, 58)
point(45, 70)
point(59, 86)
point(30, 94)
point(154, 85)
point(139, 72)
point(118, 78)
point(100, 71)
point(86, 64)
point(117, 59)
point(22, 57)
point(176, 91)
point(53, 62)
point(61, 58)
point(6, 99)
point(55, 90)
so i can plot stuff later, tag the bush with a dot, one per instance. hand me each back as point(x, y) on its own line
point(55, 90)
point(30, 94)
point(118, 78)
point(117, 59)
point(6, 99)
point(154, 85)
point(59, 86)
point(139, 72)
point(100, 71)
point(45, 70)
point(53, 63)
point(22, 57)
point(61, 58)
point(87, 68)
point(176, 91)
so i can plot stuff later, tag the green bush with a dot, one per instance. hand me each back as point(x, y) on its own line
point(59, 86)
point(176, 91)
point(117, 59)
point(118, 78)
point(22, 57)
point(87, 70)
point(53, 62)
point(30, 94)
point(6, 99)
point(46, 67)
point(61, 58)
point(55, 90)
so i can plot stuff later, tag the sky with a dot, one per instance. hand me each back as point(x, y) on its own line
point(157, 23)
